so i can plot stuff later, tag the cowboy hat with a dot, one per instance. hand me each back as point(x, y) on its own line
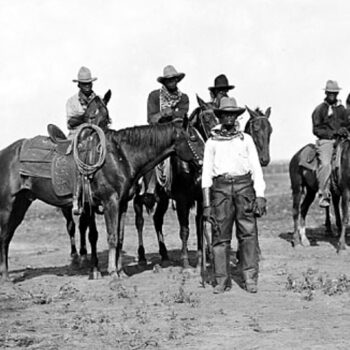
point(332, 86)
point(170, 72)
point(221, 82)
point(84, 76)
point(228, 105)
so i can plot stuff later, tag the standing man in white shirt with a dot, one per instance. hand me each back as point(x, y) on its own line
point(76, 105)
point(233, 192)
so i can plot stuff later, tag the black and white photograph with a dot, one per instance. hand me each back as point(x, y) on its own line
point(174, 175)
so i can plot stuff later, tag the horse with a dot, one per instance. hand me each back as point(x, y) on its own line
point(126, 160)
point(302, 174)
point(340, 189)
point(186, 186)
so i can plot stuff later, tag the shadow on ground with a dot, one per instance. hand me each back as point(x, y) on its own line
point(130, 266)
point(317, 235)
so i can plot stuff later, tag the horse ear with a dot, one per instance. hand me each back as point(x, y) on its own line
point(268, 112)
point(251, 112)
point(107, 97)
point(201, 102)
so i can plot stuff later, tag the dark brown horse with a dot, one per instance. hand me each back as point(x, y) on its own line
point(130, 153)
point(302, 174)
point(186, 187)
point(340, 188)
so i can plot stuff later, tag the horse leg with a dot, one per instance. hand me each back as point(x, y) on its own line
point(305, 205)
point(93, 236)
point(139, 222)
point(199, 232)
point(84, 221)
point(9, 221)
point(70, 225)
point(121, 225)
point(158, 220)
point(183, 212)
point(111, 214)
point(336, 199)
point(328, 223)
point(296, 213)
point(345, 220)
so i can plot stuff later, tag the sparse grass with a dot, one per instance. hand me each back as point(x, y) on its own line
point(312, 280)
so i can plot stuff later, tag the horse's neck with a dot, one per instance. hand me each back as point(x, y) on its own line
point(149, 150)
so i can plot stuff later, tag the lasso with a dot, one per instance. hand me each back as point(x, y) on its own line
point(89, 169)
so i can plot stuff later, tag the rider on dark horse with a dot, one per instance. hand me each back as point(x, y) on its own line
point(76, 105)
point(164, 105)
point(75, 108)
point(329, 120)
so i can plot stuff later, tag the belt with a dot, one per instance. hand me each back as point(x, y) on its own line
point(233, 178)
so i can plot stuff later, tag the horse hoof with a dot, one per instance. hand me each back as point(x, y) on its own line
point(341, 248)
point(165, 263)
point(142, 262)
point(305, 242)
point(95, 275)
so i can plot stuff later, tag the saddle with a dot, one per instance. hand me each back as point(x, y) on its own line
point(308, 157)
point(309, 160)
point(49, 157)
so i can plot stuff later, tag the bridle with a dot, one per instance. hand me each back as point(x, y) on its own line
point(202, 124)
point(189, 143)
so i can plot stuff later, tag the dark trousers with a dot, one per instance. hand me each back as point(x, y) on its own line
point(232, 200)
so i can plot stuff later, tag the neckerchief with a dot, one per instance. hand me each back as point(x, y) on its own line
point(84, 100)
point(221, 134)
point(330, 107)
point(167, 99)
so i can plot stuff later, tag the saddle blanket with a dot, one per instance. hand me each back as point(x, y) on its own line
point(41, 157)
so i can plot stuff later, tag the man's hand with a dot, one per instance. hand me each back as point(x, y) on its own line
point(343, 132)
point(259, 207)
point(167, 112)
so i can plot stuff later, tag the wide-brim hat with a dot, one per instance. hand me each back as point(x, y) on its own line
point(84, 76)
point(170, 72)
point(228, 105)
point(332, 86)
point(221, 82)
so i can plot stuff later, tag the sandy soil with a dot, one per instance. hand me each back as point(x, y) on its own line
point(303, 300)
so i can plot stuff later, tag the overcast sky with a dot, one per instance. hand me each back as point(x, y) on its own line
point(277, 53)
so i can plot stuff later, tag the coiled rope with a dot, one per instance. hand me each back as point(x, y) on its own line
point(89, 169)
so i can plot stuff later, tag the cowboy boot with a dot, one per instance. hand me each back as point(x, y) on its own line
point(221, 265)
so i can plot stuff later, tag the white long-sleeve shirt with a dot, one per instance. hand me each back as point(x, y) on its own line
point(237, 156)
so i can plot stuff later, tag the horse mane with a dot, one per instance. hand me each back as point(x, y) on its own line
point(259, 111)
point(144, 135)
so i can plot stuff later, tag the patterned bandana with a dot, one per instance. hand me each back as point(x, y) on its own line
point(221, 134)
point(167, 99)
point(84, 100)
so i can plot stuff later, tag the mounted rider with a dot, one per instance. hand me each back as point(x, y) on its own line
point(75, 108)
point(329, 120)
point(76, 105)
point(233, 192)
point(164, 105)
point(219, 90)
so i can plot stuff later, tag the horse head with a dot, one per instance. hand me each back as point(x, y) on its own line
point(189, 144)
point(259, 128)
point(97, 112)
point(203, 118)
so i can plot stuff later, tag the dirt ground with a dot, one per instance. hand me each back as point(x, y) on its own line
point(303, 300)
